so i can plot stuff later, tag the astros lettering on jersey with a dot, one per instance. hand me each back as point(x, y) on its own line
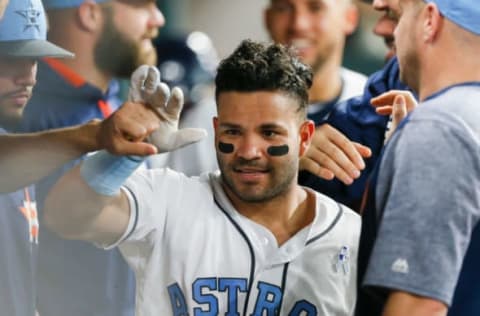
point(194, 254)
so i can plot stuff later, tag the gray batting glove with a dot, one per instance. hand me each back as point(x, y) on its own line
point(145, 86)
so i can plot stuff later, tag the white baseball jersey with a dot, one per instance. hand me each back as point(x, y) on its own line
point(194, 254)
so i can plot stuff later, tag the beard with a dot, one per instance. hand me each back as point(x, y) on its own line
point(281, 179)
point(118, 55)
point(409, 69)
point(11, 112)
point(10, 117)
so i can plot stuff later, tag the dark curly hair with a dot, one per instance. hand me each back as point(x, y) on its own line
point(257, 66)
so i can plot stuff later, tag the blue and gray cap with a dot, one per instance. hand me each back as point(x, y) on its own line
point(23, 32)
point(63, 4)
point(464, 13)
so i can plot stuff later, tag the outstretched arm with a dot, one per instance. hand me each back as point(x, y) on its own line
point(87, 203)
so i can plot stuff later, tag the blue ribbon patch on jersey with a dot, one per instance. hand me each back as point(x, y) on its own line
point(343, 260)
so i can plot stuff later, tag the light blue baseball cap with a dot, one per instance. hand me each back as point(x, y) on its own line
point(23, 32)
point(62, 4)
point(464, 13)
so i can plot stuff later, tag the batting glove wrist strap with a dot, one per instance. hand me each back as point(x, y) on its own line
point(105, 173)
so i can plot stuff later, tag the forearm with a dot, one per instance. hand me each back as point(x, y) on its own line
point(26, 158)
point(75, 211)
point(405, 304)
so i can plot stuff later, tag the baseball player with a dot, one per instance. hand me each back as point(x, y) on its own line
point(420, 234)
point(22, 41)
point(246, 240)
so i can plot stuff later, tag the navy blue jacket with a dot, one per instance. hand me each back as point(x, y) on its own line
point(357, 119)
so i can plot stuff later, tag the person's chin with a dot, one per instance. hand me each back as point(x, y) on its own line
point(390, 54)
point(11, 121)
point(148, 57)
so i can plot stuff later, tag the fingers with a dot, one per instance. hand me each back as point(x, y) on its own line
point(188, 136)
point(384, 102)
point(151, 81)
point(166, 107)
point(157, 98)
point(126, 141)
point(124, 147)
point(175, 104)
point(126, 129)
point(364, 151)
point(135, 119)
point(331, 153)
point(136, 83)
point(384, 110)
point(314, 168)
point(399, 112)
point(341, 149)
point(385, 98)
point(136, 130)
point(327, 168)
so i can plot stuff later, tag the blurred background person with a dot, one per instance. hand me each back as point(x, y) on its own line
point(345, 150)
point(110, 38)
point(23, 32)
point(317, 30)
point(239, 20)
point(189, 61)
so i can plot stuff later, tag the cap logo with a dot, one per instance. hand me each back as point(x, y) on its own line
point(31, 16)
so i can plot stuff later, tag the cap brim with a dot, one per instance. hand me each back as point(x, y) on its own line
point(33, 49)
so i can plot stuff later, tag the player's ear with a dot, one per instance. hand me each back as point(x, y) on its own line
point(267, 19)
point(215, 129)
point(90, 16)
point(352, 18)
point(307, 129)
point(431, 20)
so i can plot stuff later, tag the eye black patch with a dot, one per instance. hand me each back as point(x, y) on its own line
point(225, 148)
point(278, 150)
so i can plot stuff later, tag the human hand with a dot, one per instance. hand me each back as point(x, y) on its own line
point(167, 106)
point(397, 103)
point(331, 155)
point(126, 130)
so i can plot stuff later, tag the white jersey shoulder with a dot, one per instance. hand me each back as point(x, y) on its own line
point(193, 252)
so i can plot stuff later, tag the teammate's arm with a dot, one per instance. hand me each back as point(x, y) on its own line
point(26, 158)
point(333, 155)
point(406, 304)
